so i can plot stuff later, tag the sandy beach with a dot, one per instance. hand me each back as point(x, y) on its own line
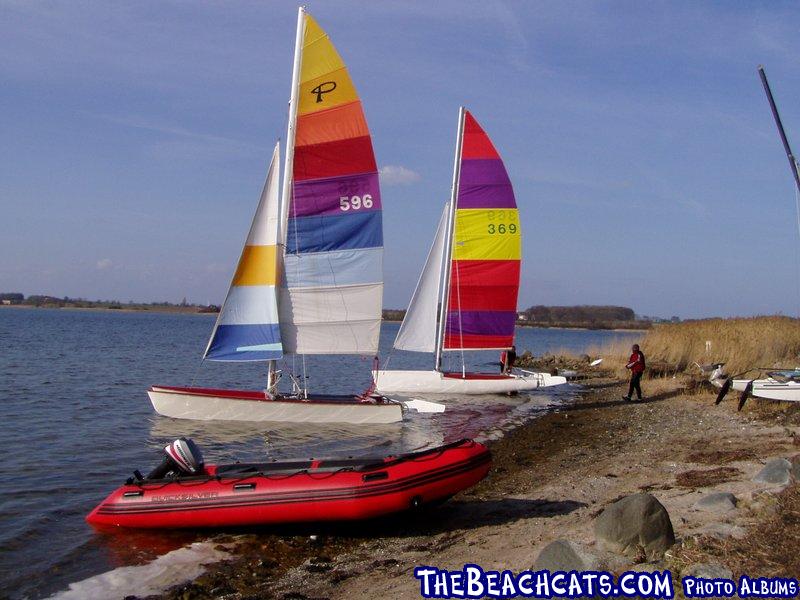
point(550, 479)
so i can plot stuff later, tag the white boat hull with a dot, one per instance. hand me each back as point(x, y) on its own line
point(228, 405)
point(770, 389)
point(436, 382)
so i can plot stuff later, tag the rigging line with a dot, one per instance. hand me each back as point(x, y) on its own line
point(196, 371)
point(797, 246)
point(460, 319)
point(293, 208)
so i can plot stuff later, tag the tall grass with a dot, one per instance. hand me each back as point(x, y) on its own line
point(741, 343)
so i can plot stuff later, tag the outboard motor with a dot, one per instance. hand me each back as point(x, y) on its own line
point(182, 457)
point(718, 375)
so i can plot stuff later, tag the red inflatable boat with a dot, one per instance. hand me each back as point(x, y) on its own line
point(291, 492)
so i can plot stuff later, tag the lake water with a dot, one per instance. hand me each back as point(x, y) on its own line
point(76, 422)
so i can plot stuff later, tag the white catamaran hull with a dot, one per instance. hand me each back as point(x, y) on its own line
point(785, 388)
point(770, 389)
point(436, 382)
point(228, 405)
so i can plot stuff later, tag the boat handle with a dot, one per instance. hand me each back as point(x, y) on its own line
point(374, 476)
point(244, 487)
point(133, 494)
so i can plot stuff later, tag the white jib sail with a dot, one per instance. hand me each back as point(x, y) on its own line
point(418, 330)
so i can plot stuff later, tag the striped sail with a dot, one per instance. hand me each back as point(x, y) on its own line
point(331, 298)
point(247, 326)
point(486, 250)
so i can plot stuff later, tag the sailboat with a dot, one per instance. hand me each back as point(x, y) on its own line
point(466, 297)
point(309, 279)
point(779, 384)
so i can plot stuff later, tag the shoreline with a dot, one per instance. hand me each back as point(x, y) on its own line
point(184, 311)
point(156, 309)
point(550, 478)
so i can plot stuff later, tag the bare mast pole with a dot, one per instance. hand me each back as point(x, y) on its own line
point(777, 117)
point(291, 130)
point(448, 241)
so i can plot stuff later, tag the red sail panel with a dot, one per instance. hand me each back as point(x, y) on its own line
point(484, 285)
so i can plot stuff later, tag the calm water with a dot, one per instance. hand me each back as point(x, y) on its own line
point(76, 421)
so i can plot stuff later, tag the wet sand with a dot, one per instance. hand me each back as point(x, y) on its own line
point(549, 480)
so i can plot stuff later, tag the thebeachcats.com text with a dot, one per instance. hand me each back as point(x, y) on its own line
point(472, 581)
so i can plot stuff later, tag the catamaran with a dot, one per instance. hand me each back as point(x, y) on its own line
point(466, 297)
point(779, 384)
point(309, 280)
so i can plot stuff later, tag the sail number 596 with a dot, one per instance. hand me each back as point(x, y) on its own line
point(502, 228)
point(355, 202)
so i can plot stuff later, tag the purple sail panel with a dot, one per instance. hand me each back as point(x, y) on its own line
point(486, 196)
point(484, 183)
point(336, 196)
point(481, 322)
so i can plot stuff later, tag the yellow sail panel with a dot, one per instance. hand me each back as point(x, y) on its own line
point(481, 234)
point(257, 266)
point(328, 91)
point(319, 54)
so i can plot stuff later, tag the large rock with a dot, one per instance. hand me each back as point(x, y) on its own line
point(635, 524)
point(563, 555)
point(795, 460)
point(718, 502)
point(723, 531)
point(775, 472)
point(707, 571)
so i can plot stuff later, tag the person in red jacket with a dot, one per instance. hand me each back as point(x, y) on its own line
point(636, 364)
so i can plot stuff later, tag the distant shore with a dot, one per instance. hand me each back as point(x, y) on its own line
point(550, 478)
point(196, 310)
point(185, 310)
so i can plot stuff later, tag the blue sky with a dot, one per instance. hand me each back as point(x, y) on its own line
point(135, 137)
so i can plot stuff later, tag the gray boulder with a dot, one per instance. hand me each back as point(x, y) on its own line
point(795, 472)
point(718, 502)
point(723, 531)
point(775, 472)
point(563, 555)
point(707, 571)
point(635, 524)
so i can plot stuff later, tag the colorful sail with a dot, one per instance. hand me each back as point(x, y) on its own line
point(486, 249)
point(332, 295)
point(247, 326)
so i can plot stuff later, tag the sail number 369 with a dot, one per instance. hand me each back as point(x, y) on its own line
point(355, 202)
point(502, 228)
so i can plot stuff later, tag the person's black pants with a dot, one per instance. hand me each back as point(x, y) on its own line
point(635, 379)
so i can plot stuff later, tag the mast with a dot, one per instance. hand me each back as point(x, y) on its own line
point(448, 241)
point(776, 116)
point(291, 130)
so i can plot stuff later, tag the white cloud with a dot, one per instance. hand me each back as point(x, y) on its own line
point(398, 175)
point(104, 263)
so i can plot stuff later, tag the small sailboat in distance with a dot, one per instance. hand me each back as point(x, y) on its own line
point(466, 298)
point(309, 280)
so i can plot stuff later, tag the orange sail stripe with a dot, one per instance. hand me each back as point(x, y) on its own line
point(338, 123)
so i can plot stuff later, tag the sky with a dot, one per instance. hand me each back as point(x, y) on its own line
point(135, 136)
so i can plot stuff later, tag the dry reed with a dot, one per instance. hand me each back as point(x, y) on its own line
point(741, 343)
